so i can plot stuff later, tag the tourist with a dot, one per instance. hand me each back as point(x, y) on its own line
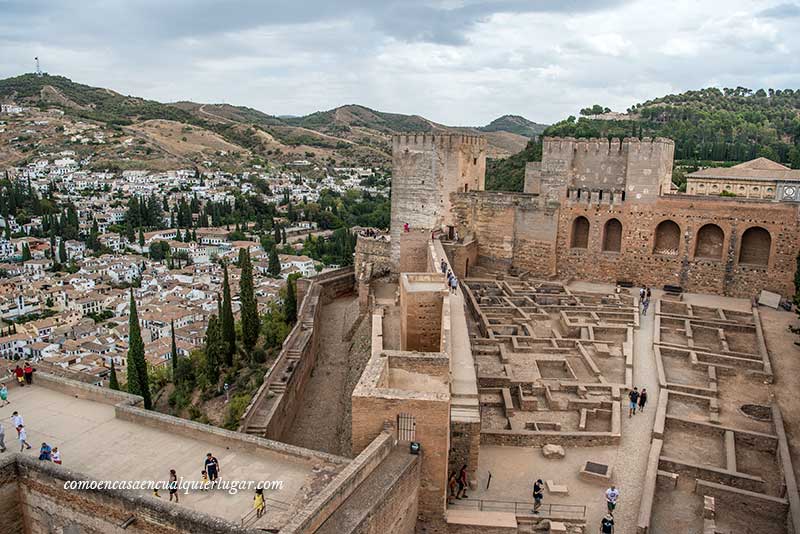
point(633, 395)
point(452, 484)
point(612, 494)
point(454, 284)
point(29, 373)
point(56, 456)
point(204, 479)
point(443, 266)
point(462, 483)
point(647, 294)
point(642, 399)
point(17, 421)
point(642, 294)
point(645, 304)
point(2, 438)
point(212, 467)
point(4, 395)
point(173, 485)
point(607, 524)
point(258, 503)
point(406, 228)
point(22, 435)
point(44, 452)
point(538, 495)
point(20, 374)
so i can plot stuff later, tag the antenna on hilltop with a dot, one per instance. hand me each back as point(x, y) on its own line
point(38, 68)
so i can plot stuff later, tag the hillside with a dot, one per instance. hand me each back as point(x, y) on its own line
point(514, 124)
point(137, 131)
point(710, 127)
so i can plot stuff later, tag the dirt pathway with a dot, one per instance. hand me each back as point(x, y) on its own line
point(323, 419)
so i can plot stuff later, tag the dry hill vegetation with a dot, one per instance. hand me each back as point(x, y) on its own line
point(152, 134)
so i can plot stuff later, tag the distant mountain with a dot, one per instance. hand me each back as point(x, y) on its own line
point(514, 124)
point(349, 134)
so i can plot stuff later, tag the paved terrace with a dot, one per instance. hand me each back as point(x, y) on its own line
point(93, 441)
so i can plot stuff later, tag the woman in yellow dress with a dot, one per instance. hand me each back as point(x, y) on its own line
point(258, 503)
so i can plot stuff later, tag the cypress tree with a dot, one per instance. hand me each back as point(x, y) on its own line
point(283, 235)
point(290, 302)
point(174, 349)
point(214, 350)
point(113, 382)
point(138, 383)
point(141, 237)
point(277, 233)
point(62, 252)
point(228, 328)
point(26, 252)
point(250, 321)
point(274, 267)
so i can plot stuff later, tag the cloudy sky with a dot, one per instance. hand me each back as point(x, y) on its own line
point(458, 62)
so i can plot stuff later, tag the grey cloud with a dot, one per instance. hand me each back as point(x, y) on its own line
point(781, 11)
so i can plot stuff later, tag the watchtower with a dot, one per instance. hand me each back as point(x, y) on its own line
point(427, 168)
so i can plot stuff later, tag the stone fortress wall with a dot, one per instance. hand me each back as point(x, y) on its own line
point(604, 211)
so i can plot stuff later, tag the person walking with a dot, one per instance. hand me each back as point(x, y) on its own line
point(607, 524)
point(634, 399)
point(645, 304)
point(612, 494)
point(642, 294)
point(4, 395)
point(452, 485)
point(642, 399)
point(23, 438)
point(212, 467)
point(443, 266)
point(258, 503)
point(2, 438)
point(173, 485)
point(28, 371)
point(454, 284)
point(538, 495)
point(17, 421)
point(462, 483)
point(204, 479)
point(56, 456)
point(647, 294)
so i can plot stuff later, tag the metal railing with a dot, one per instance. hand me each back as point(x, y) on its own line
point(250, 517)
point(575, 512)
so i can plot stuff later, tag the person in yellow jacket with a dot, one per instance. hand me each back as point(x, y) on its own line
point(258, 503)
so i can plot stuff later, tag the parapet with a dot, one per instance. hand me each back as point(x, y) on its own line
point(427, 141)
point(567, 145)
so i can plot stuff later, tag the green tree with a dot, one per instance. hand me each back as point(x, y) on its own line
point(138, 381)
point(174, 350)
point(214, 349)
point(250, 321)
point(227, 324)
point(26, 252)
point(62, 252)
point(274, 267)
point(277, 233)
point(113, 382)
point(141, 237)
point(290, 301)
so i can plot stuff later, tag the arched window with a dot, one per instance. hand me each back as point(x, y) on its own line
point(580, 233)
point(668, 239)
point(756, 245)
point(710, 239)
point(612, 236)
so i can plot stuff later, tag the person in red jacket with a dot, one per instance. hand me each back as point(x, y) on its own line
point(28, 373)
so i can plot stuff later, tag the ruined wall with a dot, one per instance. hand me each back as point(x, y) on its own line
point(637, 261)
point(461, 256)
point(510, 228)
point(426, 169)
point(10, 506)
point(374, 251)
point(421, 311)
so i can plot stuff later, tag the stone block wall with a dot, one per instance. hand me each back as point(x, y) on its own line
point(421, 311)
point(465, 445)
point(375, 251)
point(461, 256)
point(10, 506)
point(426, 169)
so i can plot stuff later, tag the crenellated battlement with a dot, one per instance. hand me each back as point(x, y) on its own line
point(427, 141)
point(567, 145)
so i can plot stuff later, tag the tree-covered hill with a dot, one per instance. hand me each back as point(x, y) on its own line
point(515, 124)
